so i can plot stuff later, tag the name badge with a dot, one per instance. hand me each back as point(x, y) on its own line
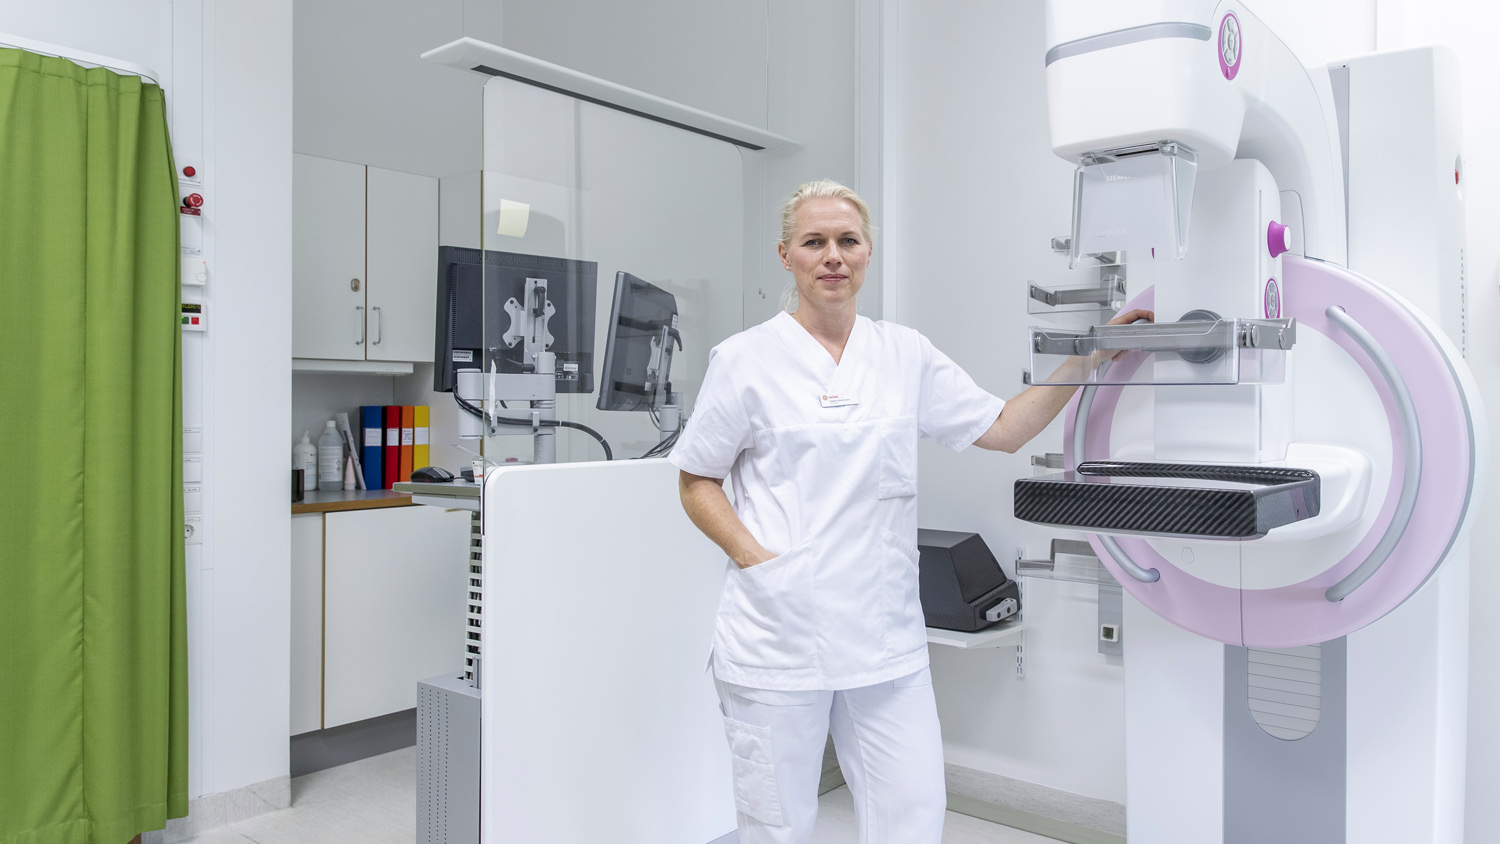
point(838, 401)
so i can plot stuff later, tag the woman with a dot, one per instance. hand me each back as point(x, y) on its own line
point(815, 415)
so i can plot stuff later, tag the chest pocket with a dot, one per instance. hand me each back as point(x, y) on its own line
point(898, 457)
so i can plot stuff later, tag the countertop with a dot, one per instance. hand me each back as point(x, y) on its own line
point(317, 501)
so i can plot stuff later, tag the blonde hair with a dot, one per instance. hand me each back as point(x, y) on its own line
point(821, 189)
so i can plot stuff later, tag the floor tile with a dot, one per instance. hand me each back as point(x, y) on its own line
point(836, 825)
point(373, 801)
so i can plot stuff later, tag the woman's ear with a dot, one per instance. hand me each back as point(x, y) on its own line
point(781, 251)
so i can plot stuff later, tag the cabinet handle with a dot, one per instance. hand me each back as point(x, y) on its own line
point(379, 325)
point(359, 324)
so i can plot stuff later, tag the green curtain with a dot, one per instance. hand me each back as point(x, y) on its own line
point(93, 633)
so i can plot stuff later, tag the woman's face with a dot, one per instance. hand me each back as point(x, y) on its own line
point(828, 253)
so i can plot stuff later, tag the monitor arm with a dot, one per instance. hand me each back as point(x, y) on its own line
point(666, 404)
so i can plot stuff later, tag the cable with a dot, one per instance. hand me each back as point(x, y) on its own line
point(663, 448)
point(609, 453)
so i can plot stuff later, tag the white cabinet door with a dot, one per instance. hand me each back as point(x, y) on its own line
point(328, 259)
point(307, 623)
point(395, 598)
point(401, 259)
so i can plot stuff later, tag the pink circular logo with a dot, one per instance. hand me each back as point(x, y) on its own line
point(1231, 47)
point(1273, 300)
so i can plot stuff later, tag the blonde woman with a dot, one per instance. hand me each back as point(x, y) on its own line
point(814, 416)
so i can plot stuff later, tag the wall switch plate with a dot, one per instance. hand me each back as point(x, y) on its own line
point(194, 316)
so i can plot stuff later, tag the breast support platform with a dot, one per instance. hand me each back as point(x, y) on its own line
point(1282, 470)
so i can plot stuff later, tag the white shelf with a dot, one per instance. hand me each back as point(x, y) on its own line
point(483, 57)
point(352, 367)
point(1007, 634)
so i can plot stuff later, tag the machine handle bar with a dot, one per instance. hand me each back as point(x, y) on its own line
point(1411, 436)
point(1080, 431)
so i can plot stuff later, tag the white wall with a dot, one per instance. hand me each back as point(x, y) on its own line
point(974, 194)
point(1466, 27)
point(363, 93)
point(707, 55)
point(138, 31)
point(238, 584)
point(246, 594)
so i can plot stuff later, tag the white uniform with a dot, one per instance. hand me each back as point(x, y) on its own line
point(823, 461)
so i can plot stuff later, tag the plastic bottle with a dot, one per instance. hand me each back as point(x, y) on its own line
point(349, 483)
point(305, 457)
point(330, 459)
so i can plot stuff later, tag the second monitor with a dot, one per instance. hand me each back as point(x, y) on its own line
point(638, 354)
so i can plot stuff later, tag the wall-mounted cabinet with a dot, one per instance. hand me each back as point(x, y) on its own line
point(364, 262)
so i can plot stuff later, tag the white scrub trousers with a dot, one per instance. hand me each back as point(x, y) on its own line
point(889, 747)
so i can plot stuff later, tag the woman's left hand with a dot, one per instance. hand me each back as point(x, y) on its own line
point(1133, 315)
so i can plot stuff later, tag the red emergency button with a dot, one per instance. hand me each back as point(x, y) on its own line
point(189, 171)
point(193, 200)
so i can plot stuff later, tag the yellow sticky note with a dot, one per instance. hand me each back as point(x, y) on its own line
point(513, 218)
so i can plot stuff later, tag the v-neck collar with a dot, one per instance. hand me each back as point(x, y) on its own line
point(821, 359)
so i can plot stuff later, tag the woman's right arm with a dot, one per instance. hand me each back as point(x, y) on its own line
point(708, 507)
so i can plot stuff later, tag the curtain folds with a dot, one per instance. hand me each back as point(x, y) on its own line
point(93, 634)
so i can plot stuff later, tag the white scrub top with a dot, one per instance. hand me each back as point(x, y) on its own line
point(823, 461)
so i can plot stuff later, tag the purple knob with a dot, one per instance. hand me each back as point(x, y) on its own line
point(1278, 238)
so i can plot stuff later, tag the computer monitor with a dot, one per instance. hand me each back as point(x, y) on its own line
point(639, 313)
point(464, 312)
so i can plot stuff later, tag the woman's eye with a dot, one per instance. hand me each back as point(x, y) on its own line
point(812, 242)
point(849, 241)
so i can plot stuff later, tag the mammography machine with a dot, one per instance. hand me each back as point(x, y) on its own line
point(1280, 471)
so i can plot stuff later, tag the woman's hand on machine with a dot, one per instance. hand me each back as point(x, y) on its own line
point(1130, 316)
point(1133, 315)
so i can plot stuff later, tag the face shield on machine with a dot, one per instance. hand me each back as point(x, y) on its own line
point(1291, 453)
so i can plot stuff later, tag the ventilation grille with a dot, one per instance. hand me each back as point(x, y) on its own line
point(473, 640)
point(433, 724)
point(1286, 690)
point(1463, 305)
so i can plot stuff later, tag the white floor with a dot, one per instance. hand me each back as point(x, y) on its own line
point(374, 802)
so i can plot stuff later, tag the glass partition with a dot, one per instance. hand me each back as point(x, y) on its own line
point(574, 193)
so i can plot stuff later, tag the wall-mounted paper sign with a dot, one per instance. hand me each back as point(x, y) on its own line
point(513, 218)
